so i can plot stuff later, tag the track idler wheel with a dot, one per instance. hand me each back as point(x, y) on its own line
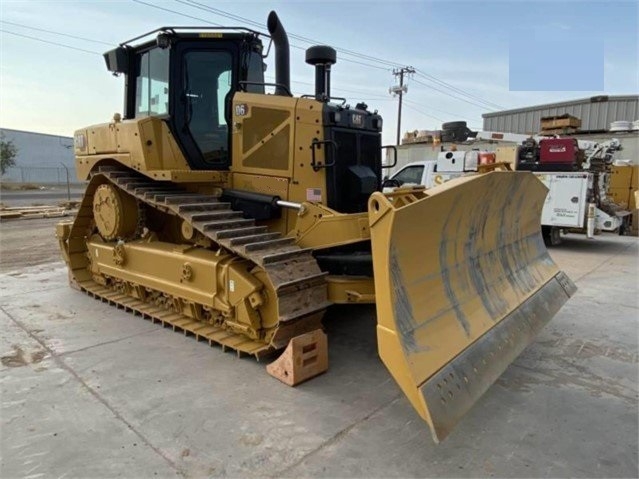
point(116, 213)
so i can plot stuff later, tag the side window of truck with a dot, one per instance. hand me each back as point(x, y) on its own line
point(410, 174)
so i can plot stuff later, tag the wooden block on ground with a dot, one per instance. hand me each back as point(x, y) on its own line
point(306, 356)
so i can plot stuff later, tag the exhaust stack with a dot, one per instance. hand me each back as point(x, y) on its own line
point(322, 57)
point(282, 56)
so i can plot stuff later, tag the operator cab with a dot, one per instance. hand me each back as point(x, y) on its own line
point(189, 80)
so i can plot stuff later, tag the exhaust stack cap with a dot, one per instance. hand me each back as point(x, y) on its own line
point(322, 57)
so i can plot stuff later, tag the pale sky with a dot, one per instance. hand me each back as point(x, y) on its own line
point(471, 46)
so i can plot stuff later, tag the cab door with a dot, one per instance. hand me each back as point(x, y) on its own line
point(204, 75)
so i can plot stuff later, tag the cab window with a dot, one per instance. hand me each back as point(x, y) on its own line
point(152, 83)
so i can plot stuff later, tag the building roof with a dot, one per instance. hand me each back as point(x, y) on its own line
point(34, 133)
point(563, 104)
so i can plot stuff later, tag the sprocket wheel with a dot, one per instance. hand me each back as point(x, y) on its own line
point(116, 214)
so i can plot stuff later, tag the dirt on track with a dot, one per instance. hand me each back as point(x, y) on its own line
point(28, 242)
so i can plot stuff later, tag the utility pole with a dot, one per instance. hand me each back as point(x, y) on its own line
point(400, 90)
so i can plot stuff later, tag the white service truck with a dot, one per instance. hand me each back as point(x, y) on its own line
point(570, 203)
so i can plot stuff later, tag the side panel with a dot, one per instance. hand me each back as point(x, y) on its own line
point(565, 203)
point(272, 138)
point(263, 130)
point(307, 184)
point(145, 145)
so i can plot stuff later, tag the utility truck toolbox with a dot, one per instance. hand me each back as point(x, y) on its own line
point(565, 204)
point(451, 161)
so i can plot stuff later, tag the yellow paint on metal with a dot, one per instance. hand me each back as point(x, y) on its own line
point(143, 144)
point(195, 275)
point(463, 282)
point(318, 226)
point(263, 137)
point(351, 289)
point(116, 214)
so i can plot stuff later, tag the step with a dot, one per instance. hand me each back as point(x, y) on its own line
point(219, 225)
point(215, 215)
point(134, 185)
point(143, 190)
point(304, 282)
point(187, 198)
point(275, 243)
point(285, 256)
point(193, 207)
point(254, 238)
point(154, 193)
point(237, 232)
point(124, 180)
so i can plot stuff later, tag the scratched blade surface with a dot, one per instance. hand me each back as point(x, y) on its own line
point(449, 269)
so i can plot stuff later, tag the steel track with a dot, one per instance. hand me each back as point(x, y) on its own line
point(295, 276)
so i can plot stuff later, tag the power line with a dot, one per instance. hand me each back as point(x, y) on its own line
point(176, 12)
point(56, 33)
point(455, 115)
point(476, 99)
point(358, 92)
point(458, 90)
point(196, 5)
point(191, 17)
point(478, 105)
point(253, 23)
point(50, 42)
point(222, 13)
point(424, 113)
point(232, 16)
point(387, 63)
point(98, 53)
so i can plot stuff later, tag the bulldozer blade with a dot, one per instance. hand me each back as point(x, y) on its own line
point(463, 283)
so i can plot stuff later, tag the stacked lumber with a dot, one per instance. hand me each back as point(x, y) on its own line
point(559, 125)
point(27, 212)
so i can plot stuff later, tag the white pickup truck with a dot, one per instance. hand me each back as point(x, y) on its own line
point(567, 203)
point(449, 164)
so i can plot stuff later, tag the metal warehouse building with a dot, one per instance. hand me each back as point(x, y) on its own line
point(596, 114)
point(41, 158)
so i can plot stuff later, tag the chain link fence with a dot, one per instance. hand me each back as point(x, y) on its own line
point(40, 175)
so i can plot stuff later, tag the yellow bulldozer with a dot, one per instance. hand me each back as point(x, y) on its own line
point(240, 217)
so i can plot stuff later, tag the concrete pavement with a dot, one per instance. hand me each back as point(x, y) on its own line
point(92, 391)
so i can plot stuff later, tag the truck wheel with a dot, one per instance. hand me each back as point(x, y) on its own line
point(551, 235)
point(624, 229)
